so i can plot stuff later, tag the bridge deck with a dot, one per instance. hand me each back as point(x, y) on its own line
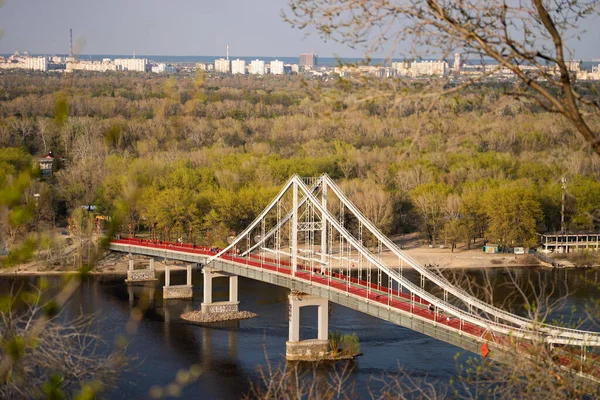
point(378, 301)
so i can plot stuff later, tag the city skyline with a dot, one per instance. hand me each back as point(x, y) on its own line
point(181, 28)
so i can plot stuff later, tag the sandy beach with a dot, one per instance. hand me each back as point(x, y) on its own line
point(435, 257)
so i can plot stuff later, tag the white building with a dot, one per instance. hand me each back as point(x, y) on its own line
point(163, 68)
point(205, 67)
point(277, 67)
point(402, 68)
point(132, 64)
point(96, 66)
point(223, 66)
point(238, 67)
point(420, 68)
point(36, 63)
point(257, 67)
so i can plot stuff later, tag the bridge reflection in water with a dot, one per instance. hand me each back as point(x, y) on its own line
point(313, 240)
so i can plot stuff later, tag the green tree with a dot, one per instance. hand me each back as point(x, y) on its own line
point(513, 212)
point(473, 210)
point(586, 213)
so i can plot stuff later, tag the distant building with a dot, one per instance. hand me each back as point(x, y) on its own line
point(96, 66)
point(570, 242)
point(257, 67)
point(402, 68)
point(277, 67)
point(573, 66)
point(295, 68)
point(308, 60)
point(36, 63)
point(362, 70)
point(132, 64)
point(205, 67)
point(238, 67)
point(46, 164)
point(456, 65)
point(420, 68)
point(163, 68)
point(223, 66)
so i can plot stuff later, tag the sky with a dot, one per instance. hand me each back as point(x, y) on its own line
point(177, 27)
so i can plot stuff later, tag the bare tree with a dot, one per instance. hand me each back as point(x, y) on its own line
point(42, 353)
point(533, 369)
point(514, 34)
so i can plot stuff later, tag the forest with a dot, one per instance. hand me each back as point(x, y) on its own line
point(199, 156)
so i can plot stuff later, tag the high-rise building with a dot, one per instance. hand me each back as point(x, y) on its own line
point(132, 64)
point(277, 67)
point(257, 67)
point(238, 67)
point(308, 60)
point(36, 63)
point(420, 68)
point(223, 66)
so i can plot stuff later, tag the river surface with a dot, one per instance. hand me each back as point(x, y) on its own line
point(229, 353)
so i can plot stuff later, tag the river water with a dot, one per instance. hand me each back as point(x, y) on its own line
point(229, 353)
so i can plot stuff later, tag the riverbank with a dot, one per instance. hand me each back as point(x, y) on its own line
point(116, 263)
point(112, 263)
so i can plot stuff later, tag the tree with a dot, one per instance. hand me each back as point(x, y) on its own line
point(375, 203)
point(429, 200)
point(513, 212)
point(472, 210)
point(512, 34)
point(454, 225)
point(586, 192)
point(42, 355)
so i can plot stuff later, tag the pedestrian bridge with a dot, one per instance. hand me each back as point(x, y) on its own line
point(314, 241)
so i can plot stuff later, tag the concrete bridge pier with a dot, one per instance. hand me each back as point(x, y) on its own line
point(177, 291)
point(208, 306)
point(311, 349)
point(140, 275)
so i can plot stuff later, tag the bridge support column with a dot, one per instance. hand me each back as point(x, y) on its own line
point(311, 349)
point(177, 291)
point(140, 275)
point(208, 306)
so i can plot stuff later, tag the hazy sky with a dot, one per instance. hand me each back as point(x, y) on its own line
point(175, 27)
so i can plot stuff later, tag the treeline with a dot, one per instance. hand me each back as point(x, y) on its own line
point(209, 153)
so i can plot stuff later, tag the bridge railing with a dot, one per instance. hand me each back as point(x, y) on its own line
point(443, 283)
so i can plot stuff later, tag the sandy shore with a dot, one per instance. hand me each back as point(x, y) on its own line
point(114, 263)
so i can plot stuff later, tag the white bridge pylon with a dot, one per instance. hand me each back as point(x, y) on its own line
point(312, 228)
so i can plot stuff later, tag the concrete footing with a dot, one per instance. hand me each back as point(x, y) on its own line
point(177, 292)
point(307, 350)
point(141, 275)
point(220, 307)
